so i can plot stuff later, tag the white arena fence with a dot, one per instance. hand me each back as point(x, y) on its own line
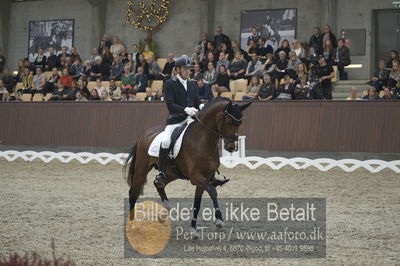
point(275, 163)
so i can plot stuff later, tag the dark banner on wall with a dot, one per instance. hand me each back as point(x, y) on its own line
point(275, 25)
point(50, 33)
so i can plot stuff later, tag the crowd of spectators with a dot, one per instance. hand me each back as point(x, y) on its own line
point(294, 71)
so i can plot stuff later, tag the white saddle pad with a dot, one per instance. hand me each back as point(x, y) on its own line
point(154, 148)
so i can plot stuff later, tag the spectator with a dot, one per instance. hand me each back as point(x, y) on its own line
point(394, 57)
point(197, 52)
point(328, 35)
point(40, 60)
point(236, 48)
point(8, 79)
point(380, 77)
point(159, 96)
point(130, 62)
point(132, 96)
point(147, 52)
point(371, 95)
point(127, 79)
point(123, 55)
point(254, 36)
point(297, 49)
point(394, 75)
point(203, 43)
point(107, 60)
point(316, 41)
point(135, 53)
point(222, 61)
point(99, 70)
point(2, 60)
point(281, 65)
point(154, 69)
point(27, 80)
point(169, 66)
point(95, 53)
point(328, 51)
point(39, 81)
point(60, 93)
point(285, 47)
point(20, 70)
point(353, 96)
point(221, 38)
point(80, 97)
point(293, 63)
point(228, 53)
point(99, 87)
point(196, 74)
point(211, 49)
point(51, 84)
point(74, 55)
point(222, 83)
point(124, 96)
point(105, 97)
point(94, 95)
point(104, 42)
point(66, 78)
point(252, 48)
point(269, 67)
point(396, 91)
point(325, 74)
point(205, 92)
point(267, 89)
point(114, 90)
point(341, 58)
point(117, 69)
point(82, 87)
point(302, 90)
point(76, 69)
point(3, 90)
point(71, 94)
point(253, 67)
point(149, 95)
point(116, 47)
point(64, 52)
point(238, 66)
point(141, 80)
point(286, 90)
point(18, 97)
point(301, 70)
point(253, 89)
point(210, 58)
point(87, 69)
point(53, 60)
point(263, 49)
point(143, 63)
point(387, 94)
point(210, 76)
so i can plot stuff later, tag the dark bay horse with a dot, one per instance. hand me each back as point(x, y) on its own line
point(198, 159)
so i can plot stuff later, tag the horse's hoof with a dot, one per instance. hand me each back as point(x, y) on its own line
point(219, 223)
point(193, 232)
point(131, 215)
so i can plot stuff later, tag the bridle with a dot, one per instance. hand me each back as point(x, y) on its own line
point(228, 138)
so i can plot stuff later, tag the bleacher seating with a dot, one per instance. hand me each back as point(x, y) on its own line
point(157, 85)
point(141, 96)
point(161, 62)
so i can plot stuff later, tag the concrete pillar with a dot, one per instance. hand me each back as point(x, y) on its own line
point(329, 14)
point(211, 18)
point(4, 24)
point(99, 15)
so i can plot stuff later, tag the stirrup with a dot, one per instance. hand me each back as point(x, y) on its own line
point(159, 182)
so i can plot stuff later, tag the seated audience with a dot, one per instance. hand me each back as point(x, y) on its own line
point(114, 90)
point(372, 95)
point(107, 60)
point(40, 60)
point(149, 95)
point(99, 87)
point(39, 81)
point(222, 61)
point(147, 52)
point(80, 97)
point(394, 75)
point(326, 74)
point(301, 70)
point(63, 53)
point(99, 70)
point(53, 61)
point(94, 95)
point(154, 69)
point(71, 94)
point(116, 47)
point(267, 89)
point(394, 57)
point(341, 58)
point(168, 67)
point(252, 48)
point(105, 97)
point(135, 53)
point(353, 96)
point(51, 84)
point(222, 82)
point(82, 87)
point(328, 35)
point(66, 78)
point(74, 55)
point(254, 36)
point(196, 74)
point(298, 49)
point(252, 89)
point(117, 69)
point(60, 93)
point(292, 64)
point(127, 79)
point(3, 90)
point(263, 49)
point(144, 64)
point(27, 80)
point(141, 81)
point(210, 75)
point(380, 77)
point(285, 90)
point(285, 47)
point(302, 90)
point(8, 79)
point(237, 67)
point(205, 92)
point(236, 48)
point(269, 66)
point(281, 65)
point(328, 51)
point(159, 96)
point(124, 96)
point(87, 70)
point(132, 96)
point(387, 94)
point(253, 67)
point(76, 69)
point(221, 38)
point(95, 53)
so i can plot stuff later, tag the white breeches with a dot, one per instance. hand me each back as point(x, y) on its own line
point(166, 141)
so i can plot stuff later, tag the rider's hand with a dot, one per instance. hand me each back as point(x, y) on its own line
point(191, 111)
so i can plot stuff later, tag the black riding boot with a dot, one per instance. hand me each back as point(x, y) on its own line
point(162, 161)
point(218, 182)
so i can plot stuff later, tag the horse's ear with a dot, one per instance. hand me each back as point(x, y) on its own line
point(244, 106)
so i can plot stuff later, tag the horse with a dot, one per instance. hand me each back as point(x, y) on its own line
point(220, 118)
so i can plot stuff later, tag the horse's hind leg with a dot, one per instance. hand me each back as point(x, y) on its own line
point(212, 191)
point(139, 178)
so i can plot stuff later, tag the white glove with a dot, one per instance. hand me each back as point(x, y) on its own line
point(191, 111)
point(201, 106)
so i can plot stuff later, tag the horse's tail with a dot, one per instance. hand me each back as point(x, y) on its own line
point(130, 163)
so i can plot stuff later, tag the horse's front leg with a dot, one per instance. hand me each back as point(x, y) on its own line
point(196, 208)
point(212, 191)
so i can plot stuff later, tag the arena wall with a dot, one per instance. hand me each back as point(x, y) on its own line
point(362, 126)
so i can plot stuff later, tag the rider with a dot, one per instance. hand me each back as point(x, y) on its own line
point(182, 99)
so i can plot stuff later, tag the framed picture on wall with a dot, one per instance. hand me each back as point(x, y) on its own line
point(275, 25)
point(50, 33)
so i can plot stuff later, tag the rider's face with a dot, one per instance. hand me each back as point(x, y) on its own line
point(184, 71)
